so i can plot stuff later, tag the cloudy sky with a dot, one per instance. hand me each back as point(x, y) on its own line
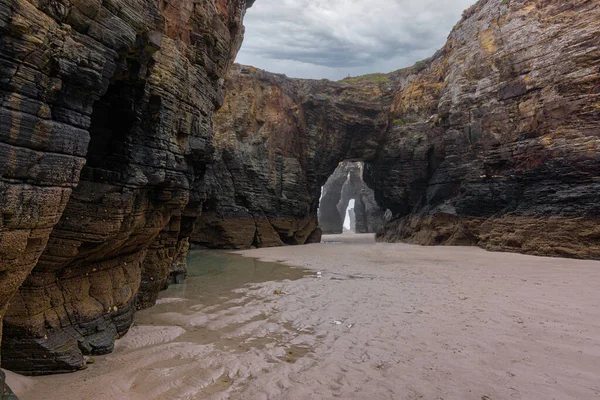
point(336, 38)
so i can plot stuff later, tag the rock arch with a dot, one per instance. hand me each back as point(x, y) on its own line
point(346, 184)
point(277, 142)
point(468, 147)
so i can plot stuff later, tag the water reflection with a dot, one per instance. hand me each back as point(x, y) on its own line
point(220, 297)
point(214, 276)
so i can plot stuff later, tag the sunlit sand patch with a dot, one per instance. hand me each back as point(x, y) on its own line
point(169, 300)
point(141, 336)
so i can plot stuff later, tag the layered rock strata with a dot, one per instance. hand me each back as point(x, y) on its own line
point(491, 142)
point(106, 121)
point(277, 142)
point(496, 143)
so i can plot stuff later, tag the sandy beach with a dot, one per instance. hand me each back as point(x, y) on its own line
point(359, 320)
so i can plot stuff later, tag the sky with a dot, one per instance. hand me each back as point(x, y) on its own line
point(347, 219)
point(334, 39)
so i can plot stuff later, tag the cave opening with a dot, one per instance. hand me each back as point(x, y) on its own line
point(347, 203)
point(112, 119)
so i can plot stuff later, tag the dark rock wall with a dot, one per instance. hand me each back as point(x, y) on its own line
point(106, 123)
point(277, 142)
point(491, 142)
point(496, 143)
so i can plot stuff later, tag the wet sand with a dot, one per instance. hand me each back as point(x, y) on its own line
point(362, 320)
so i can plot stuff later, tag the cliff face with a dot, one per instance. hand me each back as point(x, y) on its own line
point(493, 141)
point(496, 143)
point(109, 158)
point(277, 142)
point(106, 122)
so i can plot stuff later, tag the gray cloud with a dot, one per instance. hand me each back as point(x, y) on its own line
point(335, 38)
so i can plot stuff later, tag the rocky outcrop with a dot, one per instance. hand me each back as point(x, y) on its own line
point(496, 141)
point(277, 142)
point(331, 218)
point(491, 142)
point(368, 214)
point(106, 122)
point(109, 158)
point(5, 392)
point(346, 184)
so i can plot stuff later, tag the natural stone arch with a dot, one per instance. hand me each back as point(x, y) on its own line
point(460, 148)
point(277, 142)
point(346, 184)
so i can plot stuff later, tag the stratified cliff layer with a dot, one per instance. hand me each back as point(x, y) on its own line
point(497, 142)
point(106, 122)
point(494, 141)
point(277, 142)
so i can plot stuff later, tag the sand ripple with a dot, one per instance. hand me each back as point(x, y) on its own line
point(384, 321)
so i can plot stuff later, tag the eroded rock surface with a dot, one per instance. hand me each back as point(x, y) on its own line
point(127, 88)
point(277, 142)
point(331, 218)
point(493, 141)
point(368, 214)
point(496, 143)
point(346, 184)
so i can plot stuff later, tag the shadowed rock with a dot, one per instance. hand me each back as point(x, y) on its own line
point(331, 218)
point(277, 142)
point(106, 123)
point(5, 392)
point(495, 142)
point(492, 141)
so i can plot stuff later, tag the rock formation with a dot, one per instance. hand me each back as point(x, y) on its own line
point(106, 122)
point(496, 142)
point(5, 392)
point(331, 217)
point(369, 216)
point(277, 142)
point(109, 157)
point(345, 184)
point(493, 141)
